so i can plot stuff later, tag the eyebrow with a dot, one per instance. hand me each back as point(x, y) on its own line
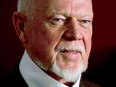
point(79, 14)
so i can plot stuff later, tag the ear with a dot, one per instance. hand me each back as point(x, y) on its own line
point(18, 22)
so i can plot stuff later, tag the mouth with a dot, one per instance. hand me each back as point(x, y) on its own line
point(71, 54)
point(70, 51)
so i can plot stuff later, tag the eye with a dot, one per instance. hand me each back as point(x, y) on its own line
point(85, 23)
point(57, 21)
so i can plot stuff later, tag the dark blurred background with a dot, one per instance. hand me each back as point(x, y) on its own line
point(102, 62)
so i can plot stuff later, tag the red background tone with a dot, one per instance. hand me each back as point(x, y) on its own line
point(103, 55)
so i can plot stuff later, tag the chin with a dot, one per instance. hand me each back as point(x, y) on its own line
point(68, 74)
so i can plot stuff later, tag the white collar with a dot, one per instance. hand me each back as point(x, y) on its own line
point(35, 77)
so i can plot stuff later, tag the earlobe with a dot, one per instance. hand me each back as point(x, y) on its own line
point(18, 22)
point(22, 37)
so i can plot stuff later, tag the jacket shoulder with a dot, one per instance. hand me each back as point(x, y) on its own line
point(85, 83)
point(14, 79)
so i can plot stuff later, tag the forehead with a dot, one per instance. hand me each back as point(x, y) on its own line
point(64, 6)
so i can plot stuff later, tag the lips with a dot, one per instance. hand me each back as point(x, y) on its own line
point(70, 54)
point(70, 51)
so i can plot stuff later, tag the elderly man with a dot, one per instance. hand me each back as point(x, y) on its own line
point(56, 35)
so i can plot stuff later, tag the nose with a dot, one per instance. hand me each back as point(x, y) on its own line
point(72, 31)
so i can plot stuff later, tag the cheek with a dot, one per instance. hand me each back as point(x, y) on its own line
point(42, 46)
point(41, 52)
point(87, 43)
point(88, 46)
point(42, 41)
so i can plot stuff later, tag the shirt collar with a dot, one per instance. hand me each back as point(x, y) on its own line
point(35, 77)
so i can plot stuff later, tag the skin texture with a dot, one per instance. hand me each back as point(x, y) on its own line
point(56, 32)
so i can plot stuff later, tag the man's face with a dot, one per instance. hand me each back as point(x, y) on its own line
point(60, 31)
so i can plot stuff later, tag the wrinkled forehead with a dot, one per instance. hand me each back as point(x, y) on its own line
point(42, 3)
point(47, 6)
point(60, 4)
point(65, 2)
point(68, 6)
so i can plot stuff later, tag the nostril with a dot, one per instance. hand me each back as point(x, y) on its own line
point(68, 36)
point(72, 36)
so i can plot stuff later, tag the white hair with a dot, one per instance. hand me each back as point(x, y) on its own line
point(69, 74)
point(20, 5)
point(26, 6)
